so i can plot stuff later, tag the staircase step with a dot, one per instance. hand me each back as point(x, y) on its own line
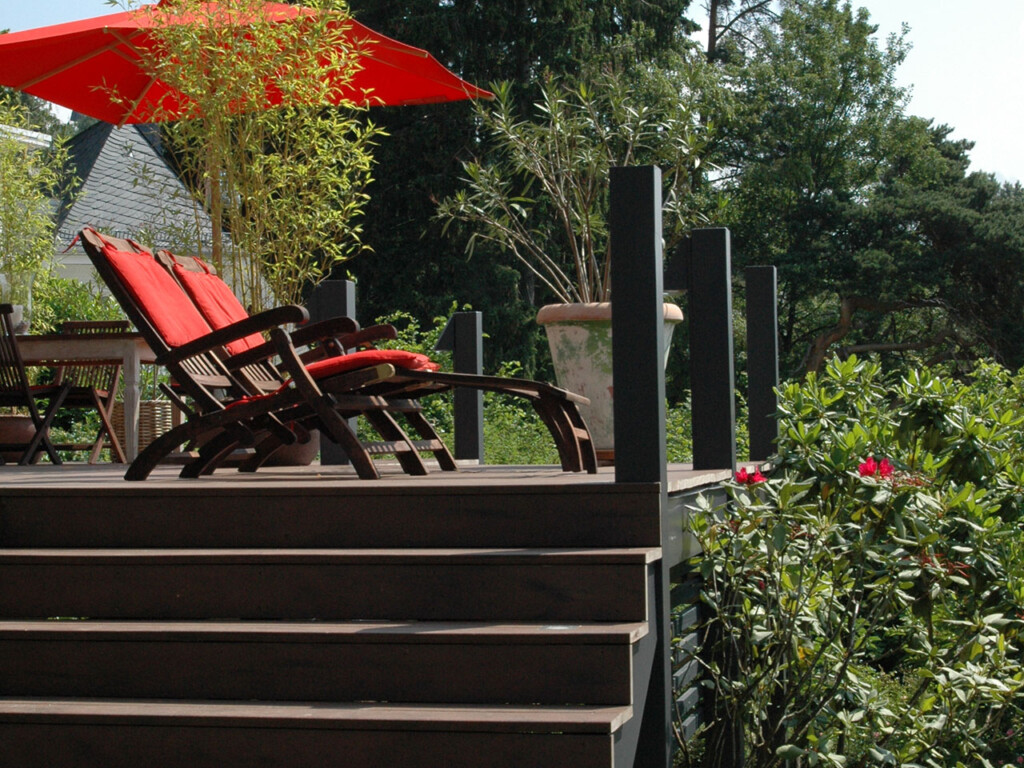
point(533, 585)
point(517, 512)
point(66, 733)
point(423, 662)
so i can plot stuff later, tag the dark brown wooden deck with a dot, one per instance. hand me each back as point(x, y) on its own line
point(498, 616)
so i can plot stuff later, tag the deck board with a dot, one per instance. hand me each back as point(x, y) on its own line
point(109, 478)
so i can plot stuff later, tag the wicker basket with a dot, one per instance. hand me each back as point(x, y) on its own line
point(155, 418)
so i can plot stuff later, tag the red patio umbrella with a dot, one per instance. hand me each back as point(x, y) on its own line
point(76, 65)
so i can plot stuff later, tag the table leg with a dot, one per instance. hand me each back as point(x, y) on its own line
point(130, 374)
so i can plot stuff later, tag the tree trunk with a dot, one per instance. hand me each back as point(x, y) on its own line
point(818, 349)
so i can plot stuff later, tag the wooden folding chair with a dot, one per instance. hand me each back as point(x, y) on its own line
point(94, 386)
point(16, 392)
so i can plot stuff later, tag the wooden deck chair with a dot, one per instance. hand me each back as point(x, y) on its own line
point(557, 408)
point(94, 387)
point(261, 412)
point(15, 391)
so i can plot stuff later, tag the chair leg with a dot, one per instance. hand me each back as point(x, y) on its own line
point(41, 439)
point(339, 431)
point(148, 458)
point(566, 427)
point(425, 431)
point(405, 452)
point(117, 454)
point(211, 454)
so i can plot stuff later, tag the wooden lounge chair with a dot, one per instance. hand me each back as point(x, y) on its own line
point(242, 405)
point(15, 391)
point(94, 387)
point(255, 403)
point(557, 407)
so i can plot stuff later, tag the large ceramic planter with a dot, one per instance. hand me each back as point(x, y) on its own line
point(580, 337)
point(16, 430)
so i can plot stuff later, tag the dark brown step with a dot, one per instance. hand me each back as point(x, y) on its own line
point(337, 514)
point(532, 585)
point(112, 734)
point(423, 662)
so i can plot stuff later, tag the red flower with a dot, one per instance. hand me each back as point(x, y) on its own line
point(749, 478)
point(872, 468)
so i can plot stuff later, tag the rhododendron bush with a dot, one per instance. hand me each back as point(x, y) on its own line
point(864, 595)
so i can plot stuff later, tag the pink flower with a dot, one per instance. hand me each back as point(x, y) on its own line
point(749, 478)
point(872, 468)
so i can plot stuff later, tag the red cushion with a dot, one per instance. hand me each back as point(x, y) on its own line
point(217, 303)
point(161, 299)
point(398, 357)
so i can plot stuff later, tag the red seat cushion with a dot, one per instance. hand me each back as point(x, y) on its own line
point(332, 366)
point(170, 311)
point(217, 303)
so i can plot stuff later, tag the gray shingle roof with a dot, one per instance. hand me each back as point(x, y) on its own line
point(127, 188)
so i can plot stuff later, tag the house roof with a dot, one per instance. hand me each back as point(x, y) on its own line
point(127, 188)
point(29, 138)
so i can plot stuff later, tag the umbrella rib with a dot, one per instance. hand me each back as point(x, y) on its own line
point(127, 42)
point(66, 66)
point(135, 104)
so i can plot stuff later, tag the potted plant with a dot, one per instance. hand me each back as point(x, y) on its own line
point(542, 195)
point(283, 178)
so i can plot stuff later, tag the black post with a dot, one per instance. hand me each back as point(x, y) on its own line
point(333, 298)
point(464, 337)
point(762, 360)
point(639, 376)
point(711, 351)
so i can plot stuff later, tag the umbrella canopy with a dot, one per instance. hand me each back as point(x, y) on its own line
point(79, 65)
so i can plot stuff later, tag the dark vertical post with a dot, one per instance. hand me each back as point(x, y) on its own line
point(464, 337)
point(762, 360)
point(638, 367)
point(711, 351)
point(333, 298)
point(638, 321)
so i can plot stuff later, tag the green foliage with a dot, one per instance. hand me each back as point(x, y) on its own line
point(57, 299)
point(28, 178)
point(865, 599)
point(38, 116)
point(513, 433)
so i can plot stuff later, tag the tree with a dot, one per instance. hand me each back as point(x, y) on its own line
point(36, 112)
point(817, 114)
point(731, 25)
point(30, 177)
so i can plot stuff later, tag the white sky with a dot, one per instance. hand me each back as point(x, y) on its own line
point(966, 65)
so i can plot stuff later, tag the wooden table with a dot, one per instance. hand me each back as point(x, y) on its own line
point(52, 349)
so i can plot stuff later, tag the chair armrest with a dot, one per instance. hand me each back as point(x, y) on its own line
point(365, 336)
point(342, 333)
point(323, 330)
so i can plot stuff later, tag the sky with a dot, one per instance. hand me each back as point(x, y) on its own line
point(965, 67)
